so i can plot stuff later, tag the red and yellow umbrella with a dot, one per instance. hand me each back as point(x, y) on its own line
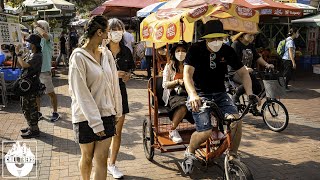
point(174, 21)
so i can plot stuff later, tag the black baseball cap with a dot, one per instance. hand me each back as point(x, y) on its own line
point(34, 39)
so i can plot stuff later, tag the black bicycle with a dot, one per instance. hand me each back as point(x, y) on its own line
point(274, 113)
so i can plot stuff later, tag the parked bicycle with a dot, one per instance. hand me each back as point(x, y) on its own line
point(274, 113)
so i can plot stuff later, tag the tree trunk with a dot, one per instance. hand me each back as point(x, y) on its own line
point(1, 5)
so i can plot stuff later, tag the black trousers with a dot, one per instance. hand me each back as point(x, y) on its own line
point(149, 64)
point(287, 71)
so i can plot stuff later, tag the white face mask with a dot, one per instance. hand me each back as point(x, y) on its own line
point(180, 55)
point(116, 36)
point(215, 46)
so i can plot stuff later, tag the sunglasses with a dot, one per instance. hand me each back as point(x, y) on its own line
point(213, 65)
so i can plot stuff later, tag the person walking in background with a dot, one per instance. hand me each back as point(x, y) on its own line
point(148, 55)
point(288, 61)
point(63, 52)
point(128, 38)
point(41, 28)
point(124, 61)
point(31, 68)
point(96, 98)
point(73, 39)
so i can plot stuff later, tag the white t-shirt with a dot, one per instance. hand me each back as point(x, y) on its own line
point(128, 40)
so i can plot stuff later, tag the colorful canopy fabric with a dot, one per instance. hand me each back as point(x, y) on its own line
point(122, 8)
point(174, 20)
point(305, 8)
point(149, 9)
point(267, 7)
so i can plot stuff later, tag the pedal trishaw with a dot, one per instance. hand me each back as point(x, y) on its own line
point(168, 25)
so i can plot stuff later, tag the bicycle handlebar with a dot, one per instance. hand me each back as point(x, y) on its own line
point(252, 100)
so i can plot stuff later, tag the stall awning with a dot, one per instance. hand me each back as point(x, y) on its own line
point(122, 8)
point(313, 21)
point(305, 8)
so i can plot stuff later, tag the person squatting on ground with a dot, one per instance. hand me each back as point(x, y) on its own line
point(96, 98)
point(124, 62)
point(242, 44)
point(288, 62)
point(174, 94)
point(41, 28)
point(204, 72)
point(31, 68)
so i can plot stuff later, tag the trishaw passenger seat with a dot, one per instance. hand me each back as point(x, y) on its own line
point(162, 109)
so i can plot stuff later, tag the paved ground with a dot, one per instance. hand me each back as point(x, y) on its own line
point(292, 154)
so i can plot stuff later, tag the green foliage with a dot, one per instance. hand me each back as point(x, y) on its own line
point(85, 6)
point(15, 3)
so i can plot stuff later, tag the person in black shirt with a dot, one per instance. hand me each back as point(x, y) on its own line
point(124, 61)
point(63, 53)
point(204, 72)
point(31, 68)
point(242, 44)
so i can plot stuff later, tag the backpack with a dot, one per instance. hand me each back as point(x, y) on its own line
point(281, 48)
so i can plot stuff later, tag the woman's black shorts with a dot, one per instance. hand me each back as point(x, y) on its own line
point(84, 133)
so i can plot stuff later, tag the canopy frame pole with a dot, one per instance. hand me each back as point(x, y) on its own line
point(181, 29)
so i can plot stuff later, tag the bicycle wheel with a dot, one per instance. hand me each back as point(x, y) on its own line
point(275, 115)
point(236, 169)
point(148, 139)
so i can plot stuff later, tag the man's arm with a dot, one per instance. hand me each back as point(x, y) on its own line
point(194, 99)
point(245, 79)
point(263, 63)
point(41, 31)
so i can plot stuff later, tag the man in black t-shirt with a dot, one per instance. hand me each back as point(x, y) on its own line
point(242, 44)
point(204, 72)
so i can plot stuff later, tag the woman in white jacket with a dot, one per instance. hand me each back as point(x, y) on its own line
point(96, 98)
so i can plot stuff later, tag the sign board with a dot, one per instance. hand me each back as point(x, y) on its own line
point(10, 29)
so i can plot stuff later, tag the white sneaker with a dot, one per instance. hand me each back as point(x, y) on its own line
point(114, 171)
point(175, 136)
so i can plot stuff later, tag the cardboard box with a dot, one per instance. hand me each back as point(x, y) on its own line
point(316, 68)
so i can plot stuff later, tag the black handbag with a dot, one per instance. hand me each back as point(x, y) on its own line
point(24, 86)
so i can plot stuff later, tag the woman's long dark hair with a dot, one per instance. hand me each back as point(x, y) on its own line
point(95, 23)
point(174, 59)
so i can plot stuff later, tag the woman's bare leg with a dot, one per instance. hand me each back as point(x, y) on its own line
point(85, 163)
point(178, 116)
point(116, 140)
point(101, 151)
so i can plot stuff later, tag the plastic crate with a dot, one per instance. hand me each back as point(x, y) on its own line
point(11, 74)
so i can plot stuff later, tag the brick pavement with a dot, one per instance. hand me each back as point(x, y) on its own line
point(292, 154)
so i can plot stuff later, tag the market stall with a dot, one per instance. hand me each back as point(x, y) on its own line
point(311, 55)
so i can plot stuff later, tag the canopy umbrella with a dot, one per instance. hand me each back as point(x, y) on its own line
point(266, 7)
point(49, 13)
point(313, 21)
point(34, 5)
point(122, 8)
point(149, 9)
point(63, 5)
point(174, 20)
point(305, 8)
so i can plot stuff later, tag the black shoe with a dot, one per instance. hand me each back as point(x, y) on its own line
point(39, 116)
point(255, 111)
point(55, 116)
point(30, 134)
point(24, 130)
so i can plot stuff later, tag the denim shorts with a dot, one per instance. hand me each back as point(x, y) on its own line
point(202, 118)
